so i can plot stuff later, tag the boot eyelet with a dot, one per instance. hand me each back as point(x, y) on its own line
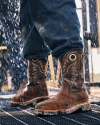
point(82, 56)
point(72, 57)
point(34, 60)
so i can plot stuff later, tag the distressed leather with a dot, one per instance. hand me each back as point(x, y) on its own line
point(22, 86)
point(73, 89)
point(72, 71)
point(37, 82)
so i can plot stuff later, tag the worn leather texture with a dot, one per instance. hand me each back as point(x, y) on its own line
point(22, 86)
point(37, 82)
point(73, 89)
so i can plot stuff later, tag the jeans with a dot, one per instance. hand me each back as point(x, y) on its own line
point(54, 28)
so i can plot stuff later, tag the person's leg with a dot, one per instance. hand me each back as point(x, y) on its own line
point(11, 35)
point(35, 47)
point(58, 24)
point(36, 52)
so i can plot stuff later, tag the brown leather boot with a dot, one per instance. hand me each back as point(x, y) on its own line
point(73, 94)
point(36, 90)
point(21, 87)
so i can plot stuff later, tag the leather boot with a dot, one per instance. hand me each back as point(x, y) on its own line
point(21, 87)
point(73, 94)
point(36, 90)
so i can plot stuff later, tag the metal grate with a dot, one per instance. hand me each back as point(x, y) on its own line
point(24, 115)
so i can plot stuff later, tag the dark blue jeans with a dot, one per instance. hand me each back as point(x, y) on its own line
point(54, 28)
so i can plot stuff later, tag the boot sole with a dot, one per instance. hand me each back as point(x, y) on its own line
point(84, 106)
point(30, 102)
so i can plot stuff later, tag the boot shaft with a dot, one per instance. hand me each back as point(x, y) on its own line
point(36, 71)
point(72, 71)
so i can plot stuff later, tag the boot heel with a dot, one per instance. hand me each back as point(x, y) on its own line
point(86, 107)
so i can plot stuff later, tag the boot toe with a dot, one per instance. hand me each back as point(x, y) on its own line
point(47, 105)
point(15, 99)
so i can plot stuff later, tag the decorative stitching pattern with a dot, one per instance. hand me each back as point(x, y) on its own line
point(36, 71)
point(72, 73)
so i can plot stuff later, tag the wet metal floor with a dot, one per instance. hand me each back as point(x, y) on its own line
point(25, 116)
